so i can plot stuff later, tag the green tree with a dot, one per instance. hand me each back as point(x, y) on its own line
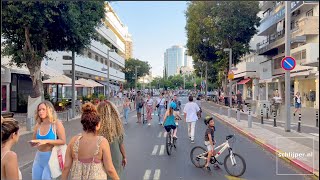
point(215, 25)
point(32, 28)
point(129, 70)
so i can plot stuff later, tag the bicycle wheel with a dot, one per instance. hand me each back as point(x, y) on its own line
point(168, 143)
point(240, 164)
point(198, 156)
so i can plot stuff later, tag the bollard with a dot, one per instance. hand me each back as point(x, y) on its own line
point(238, 115)
point(220, 110)
point(267, 112)
point(317, 118)
point(299, 123)
point(29, 124)
point(261, 116)
point(249, 121)
point(274, 119)
point(229, 112)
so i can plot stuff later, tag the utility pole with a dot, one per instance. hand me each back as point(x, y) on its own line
point(73, 89)
point(206, 84)
point(136, 78)
point(287, 73)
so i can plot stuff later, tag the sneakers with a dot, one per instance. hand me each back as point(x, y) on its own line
point(175, 138)
point(149, 124)
point(294, 114)
point(192, 141)
point(160, 123)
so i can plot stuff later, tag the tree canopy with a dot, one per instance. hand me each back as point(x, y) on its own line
point(32, 28)
point(215, 25)
point(129, 70)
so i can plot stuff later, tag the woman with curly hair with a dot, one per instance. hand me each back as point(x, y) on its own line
point(112, 130)
point(88, 154)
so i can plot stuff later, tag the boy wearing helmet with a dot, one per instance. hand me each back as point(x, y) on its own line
point(209, 139)
point(169, 120)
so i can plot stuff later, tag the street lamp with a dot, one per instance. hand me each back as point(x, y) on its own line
point(108, 69)
point(230, 64)
point(136, 78)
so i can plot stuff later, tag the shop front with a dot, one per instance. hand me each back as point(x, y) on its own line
point(308, 90)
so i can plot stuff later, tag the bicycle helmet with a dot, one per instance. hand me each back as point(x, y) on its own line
point(173, 105)
point(207, 119)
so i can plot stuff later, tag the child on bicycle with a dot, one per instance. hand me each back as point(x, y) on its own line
point(209, 140)
point(169, 120)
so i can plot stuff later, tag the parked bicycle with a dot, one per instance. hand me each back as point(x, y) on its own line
point(199, 155)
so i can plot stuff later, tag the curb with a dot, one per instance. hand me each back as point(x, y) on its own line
point(271, 148)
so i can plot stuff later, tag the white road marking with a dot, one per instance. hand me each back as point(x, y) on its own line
point(147, 174)
point(165, 134)
point(161, 150)
point(160, 133)
point(155, 149)
point(315, 134)
point(156, 175)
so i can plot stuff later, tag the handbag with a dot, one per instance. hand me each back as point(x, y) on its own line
point(57, 158)
point(157, 106)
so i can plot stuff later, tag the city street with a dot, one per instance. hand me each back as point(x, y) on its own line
point(147, 158)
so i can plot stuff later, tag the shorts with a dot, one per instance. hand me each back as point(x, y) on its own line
point(298, 105)
point(209, 147)
point(169, 127)
point(138, 110)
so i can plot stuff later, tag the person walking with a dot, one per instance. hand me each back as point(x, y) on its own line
point(191, 111)
point(149, 107)
point(9, 159)
point(161, 101)
point(88, 155)
point(126, 109)
point(297, 103)
point(113, 131)
point(138, 104)
point(45, 134)
point(239, 100)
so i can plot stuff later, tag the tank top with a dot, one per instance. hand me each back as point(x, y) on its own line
point(50, 135)
point(170, 121)
point(19, 172)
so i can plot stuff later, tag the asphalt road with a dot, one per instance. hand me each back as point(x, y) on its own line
point(147, 158)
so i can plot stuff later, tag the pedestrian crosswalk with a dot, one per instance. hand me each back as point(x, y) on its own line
point(155, 151)
point(148, 172)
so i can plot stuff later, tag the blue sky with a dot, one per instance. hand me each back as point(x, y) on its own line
point(155, 26)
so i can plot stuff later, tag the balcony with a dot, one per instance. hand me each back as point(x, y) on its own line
point(264, 5)
point(270, 43)
point(306, 26)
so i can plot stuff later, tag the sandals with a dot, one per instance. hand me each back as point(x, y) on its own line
point(207, 168)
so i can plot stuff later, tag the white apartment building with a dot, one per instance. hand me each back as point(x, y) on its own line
point(91, 63)
point(305, 25)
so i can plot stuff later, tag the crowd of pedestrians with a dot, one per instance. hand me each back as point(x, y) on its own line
point(98, 152)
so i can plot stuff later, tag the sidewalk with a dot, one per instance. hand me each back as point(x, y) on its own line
point(283, 145)
point(308, 115)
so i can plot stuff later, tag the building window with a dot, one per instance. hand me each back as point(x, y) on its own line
point(96, 57)
point(101, 60)
point(309, 13)
point(277, 63)
point(89, 55)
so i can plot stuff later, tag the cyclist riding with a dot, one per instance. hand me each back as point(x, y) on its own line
point(169, 120)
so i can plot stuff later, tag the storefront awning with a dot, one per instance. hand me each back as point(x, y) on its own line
point(269, 80)
point(94, 83)
point(303, 73)
point(244, 81)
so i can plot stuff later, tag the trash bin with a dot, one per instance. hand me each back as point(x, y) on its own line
point(226, 101)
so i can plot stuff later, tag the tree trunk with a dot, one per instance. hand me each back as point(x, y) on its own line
point(35, 74)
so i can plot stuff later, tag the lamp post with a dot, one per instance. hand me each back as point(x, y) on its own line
point(136, 78)
point(108, 69)
point(230, 63)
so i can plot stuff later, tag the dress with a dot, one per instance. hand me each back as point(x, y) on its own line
point(117, 156)
point(84, 169)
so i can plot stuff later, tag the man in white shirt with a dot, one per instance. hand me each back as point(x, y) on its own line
point(191, 110)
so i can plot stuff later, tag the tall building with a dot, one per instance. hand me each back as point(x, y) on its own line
point(305, 26)
point(128, 51)
point(175, 58)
